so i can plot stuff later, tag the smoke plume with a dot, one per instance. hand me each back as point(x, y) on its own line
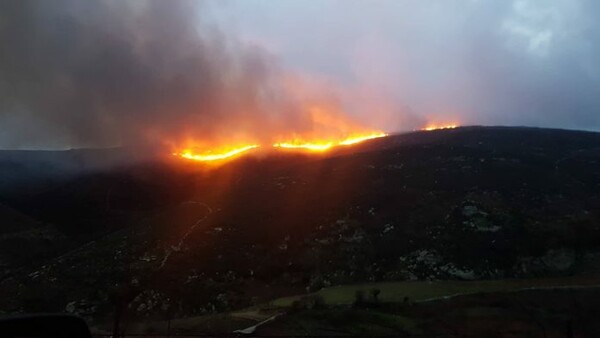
point(108, 73)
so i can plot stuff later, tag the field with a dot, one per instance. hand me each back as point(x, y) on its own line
point(541, 313)
point(414, 291)
point(501, 308)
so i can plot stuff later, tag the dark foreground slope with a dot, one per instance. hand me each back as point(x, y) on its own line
point(166, 238)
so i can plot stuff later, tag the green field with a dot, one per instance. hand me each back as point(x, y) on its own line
point(393, 292)
point(357, 321)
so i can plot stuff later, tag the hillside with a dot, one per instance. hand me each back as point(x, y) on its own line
point(165, 238)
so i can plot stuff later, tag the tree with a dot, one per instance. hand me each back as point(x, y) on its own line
point(375, 295)
point(359, 298)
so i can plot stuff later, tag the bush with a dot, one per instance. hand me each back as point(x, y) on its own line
point(359, 298)
point(308, 303)
point(375, 295)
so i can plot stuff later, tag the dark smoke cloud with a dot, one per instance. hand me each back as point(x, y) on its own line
point(104, 73)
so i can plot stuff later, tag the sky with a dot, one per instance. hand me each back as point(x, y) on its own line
point(512, 62)
point(108, 73)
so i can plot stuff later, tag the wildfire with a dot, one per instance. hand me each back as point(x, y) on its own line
point(296, 144)
point(312, 146)
point(434, 126)
point(360, 138)
point(215, 155)
point(320, 146)
point(323, 125)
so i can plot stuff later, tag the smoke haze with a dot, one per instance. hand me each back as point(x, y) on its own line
point(514, 62)
point(106, 73)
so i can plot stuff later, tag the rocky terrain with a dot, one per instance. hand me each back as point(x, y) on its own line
point(161, 238)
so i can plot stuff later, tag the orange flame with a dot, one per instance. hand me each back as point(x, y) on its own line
point(226, 153)
point(324, 145)
point(215, 155)
point(312, 146)
point(320, 124)
point(360, 138)
point(434, 126)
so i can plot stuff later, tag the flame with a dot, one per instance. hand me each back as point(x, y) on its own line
point(324, 145)
point(360, 138)
point(434, 126)
point(215, 155)
point(226, 153)
point(320, 125)
point(312, 146)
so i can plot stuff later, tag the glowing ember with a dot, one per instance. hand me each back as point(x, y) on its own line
point(430, 127)
point(215, 155)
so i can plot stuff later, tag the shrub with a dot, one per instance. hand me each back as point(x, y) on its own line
point(375, 295)
point(308, 303)
point(359, 298)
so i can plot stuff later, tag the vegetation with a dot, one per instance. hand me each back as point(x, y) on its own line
point(418, 291)
point(416, 216)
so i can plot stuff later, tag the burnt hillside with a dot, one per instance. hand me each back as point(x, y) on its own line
point(466, 203)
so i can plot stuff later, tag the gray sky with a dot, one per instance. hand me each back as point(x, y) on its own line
point(111, 72)
point(514, 62)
